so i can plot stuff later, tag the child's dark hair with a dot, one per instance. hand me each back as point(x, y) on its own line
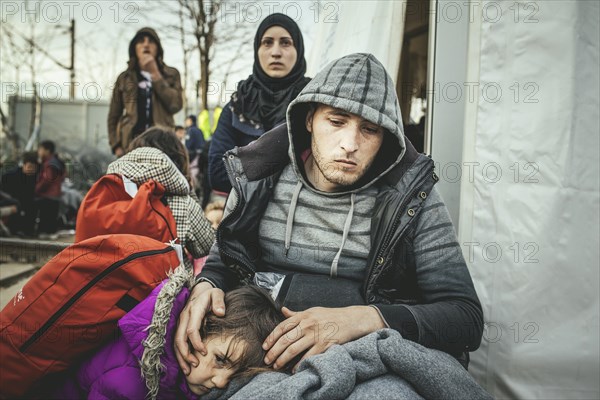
point(165, 140)
point(250, 316)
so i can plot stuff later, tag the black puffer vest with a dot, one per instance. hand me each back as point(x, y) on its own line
point(401, 194)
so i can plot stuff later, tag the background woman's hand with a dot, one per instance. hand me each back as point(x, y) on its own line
point(147, 63)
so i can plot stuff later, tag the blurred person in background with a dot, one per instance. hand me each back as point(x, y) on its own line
point(194, 139)
point(19, 184)
point(194, 143)
point(180, 133)
point(207, 127)
point(148, 93)
point(48, 189)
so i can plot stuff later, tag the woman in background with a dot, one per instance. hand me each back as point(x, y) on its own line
point(261, 101)
point(146, 94)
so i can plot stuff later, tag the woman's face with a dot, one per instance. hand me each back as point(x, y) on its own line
point(145, 45)
point(277, 54)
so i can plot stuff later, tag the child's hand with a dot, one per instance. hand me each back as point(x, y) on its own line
point(203, 299)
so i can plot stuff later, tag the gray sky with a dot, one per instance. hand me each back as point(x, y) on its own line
point(103, 31)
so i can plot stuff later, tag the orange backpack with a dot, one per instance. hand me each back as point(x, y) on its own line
point(72, 304)
point(108, 208)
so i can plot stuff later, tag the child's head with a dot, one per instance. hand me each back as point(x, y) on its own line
point(165, 140)
point(234, 342)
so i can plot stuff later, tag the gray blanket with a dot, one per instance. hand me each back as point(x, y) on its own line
point(381, 365)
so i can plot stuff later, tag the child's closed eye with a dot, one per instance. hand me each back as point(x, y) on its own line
point(222, 361)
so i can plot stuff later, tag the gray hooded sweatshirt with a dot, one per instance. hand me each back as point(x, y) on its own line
point(305, 230)
point(390, 233)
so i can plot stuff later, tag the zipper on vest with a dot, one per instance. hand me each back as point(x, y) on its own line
point(219, 239)
point(388, 237)
point(40, 332)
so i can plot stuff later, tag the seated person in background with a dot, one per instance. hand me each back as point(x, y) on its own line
point(19, 183)
point(141, 362)
point(48, 189)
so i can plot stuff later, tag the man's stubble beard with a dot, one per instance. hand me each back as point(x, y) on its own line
point(331, 172)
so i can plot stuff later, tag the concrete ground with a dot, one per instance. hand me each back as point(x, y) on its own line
point(12, 278)
point(15, 271)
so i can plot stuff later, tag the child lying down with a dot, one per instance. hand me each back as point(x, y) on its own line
point(141, 362)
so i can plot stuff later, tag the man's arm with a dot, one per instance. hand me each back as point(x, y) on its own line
point(449, 317)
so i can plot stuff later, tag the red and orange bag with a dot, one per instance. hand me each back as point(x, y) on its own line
point(108, 208)
point(71, 306)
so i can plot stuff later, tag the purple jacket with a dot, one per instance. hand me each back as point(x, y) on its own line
point(114, 372)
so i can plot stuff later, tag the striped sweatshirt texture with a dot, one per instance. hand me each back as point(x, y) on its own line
point(317, 230)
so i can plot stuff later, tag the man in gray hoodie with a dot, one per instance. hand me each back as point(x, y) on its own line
point(342, 206)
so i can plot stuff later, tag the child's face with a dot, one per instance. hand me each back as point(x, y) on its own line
point(214, 370)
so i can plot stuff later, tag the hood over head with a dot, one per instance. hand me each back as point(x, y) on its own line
point(151, 33)
point(359, 84)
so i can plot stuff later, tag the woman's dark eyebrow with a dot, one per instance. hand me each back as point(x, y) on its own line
point(282, 37)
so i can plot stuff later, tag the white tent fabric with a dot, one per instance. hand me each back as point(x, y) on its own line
point(347, 27)
point(529, 218)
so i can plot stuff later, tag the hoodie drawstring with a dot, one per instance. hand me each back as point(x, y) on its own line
point(290, 224)
point(336, 259)
point(290, 217)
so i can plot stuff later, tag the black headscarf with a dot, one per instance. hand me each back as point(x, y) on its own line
point(260, 99)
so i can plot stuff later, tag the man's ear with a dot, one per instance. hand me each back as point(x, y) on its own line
point(309, 119)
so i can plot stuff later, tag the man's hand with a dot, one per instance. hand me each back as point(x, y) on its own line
point(119, 151)
point(203, 299)
point(148, 63)
point(317, 329)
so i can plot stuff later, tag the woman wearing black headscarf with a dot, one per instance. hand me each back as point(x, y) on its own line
point(261, 101)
